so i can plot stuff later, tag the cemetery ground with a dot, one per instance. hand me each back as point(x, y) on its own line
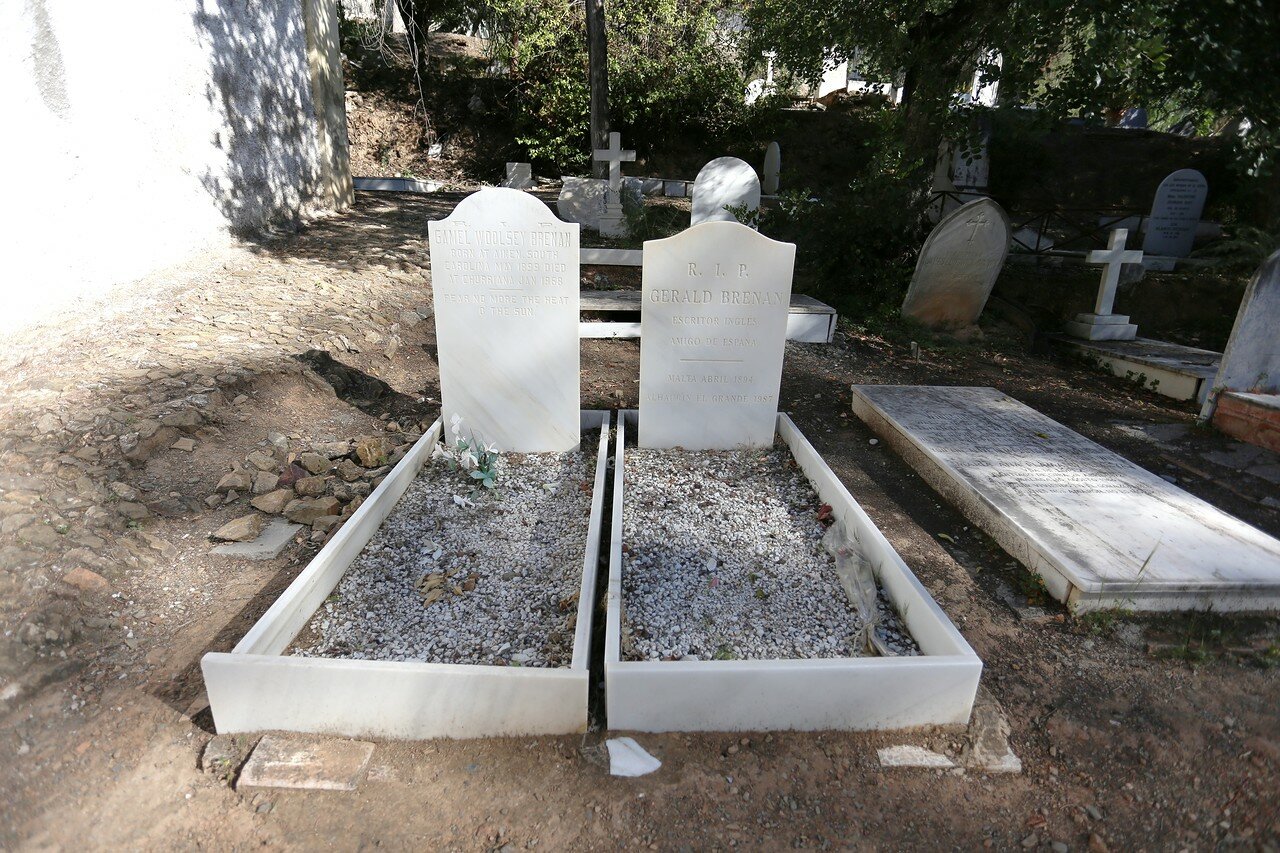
point(1157, 732)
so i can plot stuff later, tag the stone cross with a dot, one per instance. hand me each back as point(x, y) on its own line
point(1112, 258)
point(615, 157)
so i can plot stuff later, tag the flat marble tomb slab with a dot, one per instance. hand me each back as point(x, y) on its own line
point(1100, 531)
point(935, 688)
point(256, 687)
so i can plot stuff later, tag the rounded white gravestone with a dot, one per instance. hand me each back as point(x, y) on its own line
point(772, 169)
point(725, 181)
point(1171, 228)
point(958, 266)
point(581, 200)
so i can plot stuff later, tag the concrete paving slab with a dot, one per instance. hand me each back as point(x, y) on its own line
point(314, 764)
point(270, 542)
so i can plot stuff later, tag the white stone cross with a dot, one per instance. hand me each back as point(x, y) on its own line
point(614, 156)
point(1113, 258)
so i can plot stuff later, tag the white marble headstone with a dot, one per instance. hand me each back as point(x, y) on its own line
point(725, 181)
point(1171, 228)
point(504, 275)
point(519, 176)
point(1251, 361)
point(772, 169)
point(958, 266)
point(713, 327)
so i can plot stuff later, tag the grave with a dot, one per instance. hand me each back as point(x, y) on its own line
point(612, 223)
point(958, 266)
point(1245, 399)
point(724, 182)
point(706, 436)
point(772, 169)
point(1099, 531)
point(1172, 370)
point(505, 276)
point(519, 176)
point(1175, 213)
point(1103, 324)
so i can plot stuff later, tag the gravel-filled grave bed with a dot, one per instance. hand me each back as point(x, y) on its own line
point(724, 559)
point(459, 577)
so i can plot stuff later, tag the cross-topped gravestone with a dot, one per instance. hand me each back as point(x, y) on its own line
point(611, 222)
point(1102, 324)
point(504, 276)
point(958, 266)
point(713, 327)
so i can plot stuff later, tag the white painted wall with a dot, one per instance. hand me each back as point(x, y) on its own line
point(138, 133)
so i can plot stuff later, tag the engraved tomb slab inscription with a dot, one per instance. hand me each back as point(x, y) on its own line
point(504, 276)
point(713, 327)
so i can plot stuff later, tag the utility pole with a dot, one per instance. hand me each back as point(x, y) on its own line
point(598, 75)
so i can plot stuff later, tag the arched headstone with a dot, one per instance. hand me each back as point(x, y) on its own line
point(725, 181)
point(772, 169)
point(958, 266)
point(1175, 212)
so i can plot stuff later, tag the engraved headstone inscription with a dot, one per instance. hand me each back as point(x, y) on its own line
point(713, 327)
point(504, 276)
point(1171, 228)
point(958, 266)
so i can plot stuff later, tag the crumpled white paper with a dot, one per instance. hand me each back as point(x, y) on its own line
point(628, 758)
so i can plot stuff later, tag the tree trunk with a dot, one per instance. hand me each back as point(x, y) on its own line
point(598, 74)
point(416, 15)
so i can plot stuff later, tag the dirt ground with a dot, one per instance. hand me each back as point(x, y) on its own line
point(1157, 733)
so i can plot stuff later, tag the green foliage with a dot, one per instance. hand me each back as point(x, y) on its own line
point(856, 244)
point(669, 75)
point(1245, 250)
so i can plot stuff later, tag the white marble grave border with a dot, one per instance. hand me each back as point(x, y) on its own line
point(255, 687)
point(936, 688)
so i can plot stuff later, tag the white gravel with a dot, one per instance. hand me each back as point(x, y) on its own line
point(507, 570)
point(723, 559)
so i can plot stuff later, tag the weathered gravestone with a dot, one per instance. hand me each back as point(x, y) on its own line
point(713, 329)
point(958, 266)
point(505, 283)
point(1103, 324)
point(722, 183)
point(1171, 228)
point(1251, 362)
point(772, 169)
point(582, 200)
point(1100, 531)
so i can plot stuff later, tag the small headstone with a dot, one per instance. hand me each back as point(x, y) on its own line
point(1134, 118)
point(722, 183)
point(650, 186)
point(1171, 228)
point(1251, 361)
point(772, 169)
point(674, 189)
point(1103, 324)
point(713, 326)
point(505, 284)
point(519, 176)
point(958, 266)
point(582, 201)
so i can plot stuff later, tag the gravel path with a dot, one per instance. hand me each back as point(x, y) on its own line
point(493, 583)
point(723, 559)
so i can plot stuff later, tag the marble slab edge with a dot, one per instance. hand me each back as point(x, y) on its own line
point(936, 688)
point(255, 687)
point(1079, 595)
